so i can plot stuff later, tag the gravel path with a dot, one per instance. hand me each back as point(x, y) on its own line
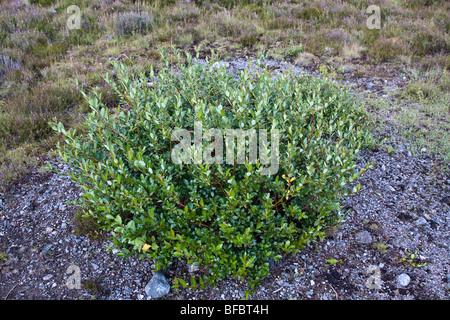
point(394, 244)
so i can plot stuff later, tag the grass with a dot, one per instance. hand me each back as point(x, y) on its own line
point(40, 56)
point(419, 112)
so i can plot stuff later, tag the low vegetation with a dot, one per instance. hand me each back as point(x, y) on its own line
point(229, 216)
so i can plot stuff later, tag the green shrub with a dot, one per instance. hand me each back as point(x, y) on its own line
point(229, 217)
point(293, 51)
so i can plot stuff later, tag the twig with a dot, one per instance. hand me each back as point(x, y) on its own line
point(11, 290)
point(277, 290)
point(337, 296)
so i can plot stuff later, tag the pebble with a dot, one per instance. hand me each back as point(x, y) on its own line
point(192, 267)
point(47, 248)
point(363, 237)
point(403, 280)
point(421, 221)
point(47, 277)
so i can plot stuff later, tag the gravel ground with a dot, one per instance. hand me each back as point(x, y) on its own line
point(394, 243)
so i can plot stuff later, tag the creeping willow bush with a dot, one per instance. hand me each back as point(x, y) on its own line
point(228, 218)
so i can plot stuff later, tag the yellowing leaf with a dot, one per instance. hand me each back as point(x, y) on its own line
point(145, 247)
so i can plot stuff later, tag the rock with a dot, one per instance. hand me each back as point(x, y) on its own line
point(47, 248)
point(403, 280)
point(47, 277)
point(391, 188)
point(192, 267)
point(363, 237)
point(421, 221)
point(158, 286)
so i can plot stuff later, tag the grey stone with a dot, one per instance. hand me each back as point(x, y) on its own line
point(403, 280)
point(390, 188)
point(47, 277)
point(47, 248)
point(363, 237)
point(192, 267)
point(158, 286)
point(421, 221)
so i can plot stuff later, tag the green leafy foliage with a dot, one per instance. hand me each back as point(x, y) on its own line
point(228, 218)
